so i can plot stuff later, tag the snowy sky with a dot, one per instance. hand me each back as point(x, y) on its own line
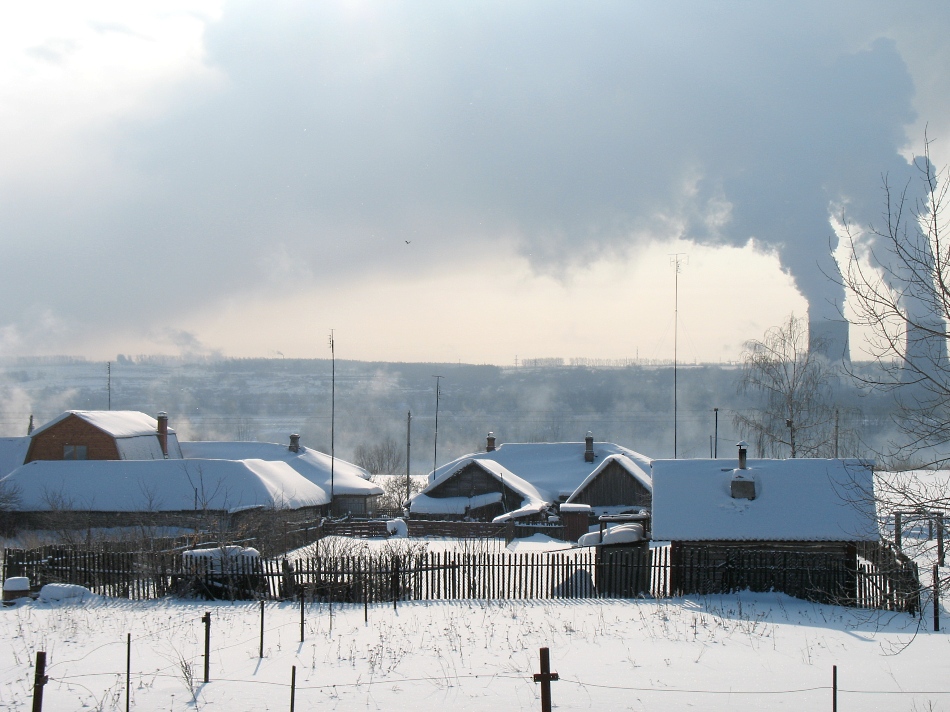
point(444, 180)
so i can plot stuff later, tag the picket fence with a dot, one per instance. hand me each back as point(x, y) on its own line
point(879, 581)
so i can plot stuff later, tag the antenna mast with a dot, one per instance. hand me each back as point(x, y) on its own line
point(435, 453)
point(332, 416)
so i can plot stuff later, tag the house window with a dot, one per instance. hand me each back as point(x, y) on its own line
point(74, 452)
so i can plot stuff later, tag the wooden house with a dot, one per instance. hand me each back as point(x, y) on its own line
point(529, 481)
point(790, 525)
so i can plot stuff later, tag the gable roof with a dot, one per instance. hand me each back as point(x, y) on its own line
point(348, 479)
point(796, 500)
point(135, 433)
point(626, 462)
point(553, 470)
point(532, 501)
point(161, 485)
point(117, 423)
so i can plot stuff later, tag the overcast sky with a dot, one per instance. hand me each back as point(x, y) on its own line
point(445, 181)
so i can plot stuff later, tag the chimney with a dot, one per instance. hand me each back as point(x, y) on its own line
point(294, 443)
point(490, 446)
point(743, 446)
point(29, 428)
point(589, 447)
point(163, 432)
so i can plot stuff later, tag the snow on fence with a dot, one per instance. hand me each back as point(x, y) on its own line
point(881, 579)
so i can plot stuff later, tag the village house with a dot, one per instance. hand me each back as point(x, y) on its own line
point(528, 481)
point(795, 526)
point(122, 468)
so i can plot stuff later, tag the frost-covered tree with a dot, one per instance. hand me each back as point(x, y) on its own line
point(793, 385)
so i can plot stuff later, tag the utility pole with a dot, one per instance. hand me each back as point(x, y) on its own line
point(435, 452)
point(677, 260)
point(109, 381)
point(332, 415)
point(408, 450)
point(716, 436)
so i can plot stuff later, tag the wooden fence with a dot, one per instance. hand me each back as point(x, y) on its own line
point(880, 580)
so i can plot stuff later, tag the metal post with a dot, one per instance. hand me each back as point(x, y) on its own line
point(332, 416)
point(293, 686)
point(834, 688)
point(940, 552)
point(394, 580)
point(897, 530)
point(936, 588)
point(408, 450)
point(128, 668)
point(545, 677)
point(261, 653)
point(836, 433)
point(39, 680)
point(206, 619)
point(716, 436)
point(435, 449)
point(301, 616)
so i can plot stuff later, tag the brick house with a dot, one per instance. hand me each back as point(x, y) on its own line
point(104, 435)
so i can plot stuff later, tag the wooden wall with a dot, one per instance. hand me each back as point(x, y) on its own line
point(614, 486)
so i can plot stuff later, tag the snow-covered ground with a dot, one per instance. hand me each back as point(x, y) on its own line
point(734, 652)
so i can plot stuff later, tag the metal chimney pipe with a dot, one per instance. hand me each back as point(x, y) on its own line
point(743, 446)
point(163, 433)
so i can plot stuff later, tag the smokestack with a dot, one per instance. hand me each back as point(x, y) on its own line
point(829, 338)
point(589, 447)
point(294, 443)
point(163, 433)
point(742, 454)
point(490, 445)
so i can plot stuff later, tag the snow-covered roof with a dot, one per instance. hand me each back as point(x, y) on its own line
point(135, 433)
point(530, 496)
point(348, 479)
point(12, 453)
point(795, 500)
point(628, 463)
point(552, 469)
point(161, 485)
point(117, 423)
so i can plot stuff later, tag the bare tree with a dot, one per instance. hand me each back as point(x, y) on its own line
point(386, 457)
point(898, 280)
point(794, 384)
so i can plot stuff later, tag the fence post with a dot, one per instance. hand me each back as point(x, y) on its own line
point(261, 651)
point(293, 686)
point(936, 588)
point(834, 688)
point(897, 530)
point(39, 680)
point(940, 555)
point(394, 580)
point(545, 677)
point(206, 619)
point(301, 614)
point(128, 668)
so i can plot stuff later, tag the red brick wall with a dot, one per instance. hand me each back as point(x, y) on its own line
point(72, 430)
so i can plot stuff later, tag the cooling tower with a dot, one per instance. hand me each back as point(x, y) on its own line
point(829, 338)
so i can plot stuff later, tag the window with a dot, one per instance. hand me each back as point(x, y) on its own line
point(74, 452)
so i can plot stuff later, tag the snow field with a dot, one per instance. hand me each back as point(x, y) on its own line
point(733, 652)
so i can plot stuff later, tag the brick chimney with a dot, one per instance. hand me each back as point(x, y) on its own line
point(589, 447)
point(163, 433)
point(490, 445)
point(294, 443)
point(743, 446)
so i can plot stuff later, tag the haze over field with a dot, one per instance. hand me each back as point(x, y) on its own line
point(445, 182)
